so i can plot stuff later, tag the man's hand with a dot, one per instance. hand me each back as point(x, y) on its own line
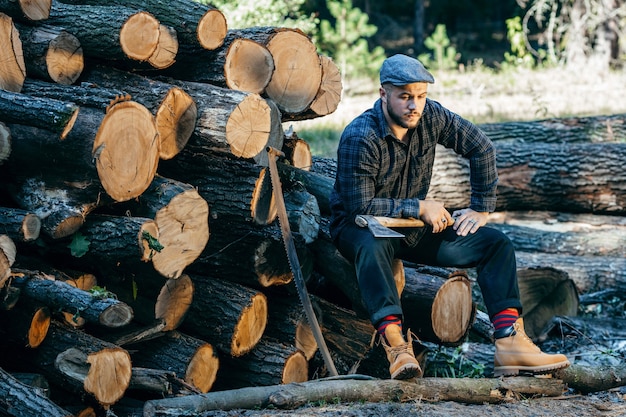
point(468, 221)
point(435, 214)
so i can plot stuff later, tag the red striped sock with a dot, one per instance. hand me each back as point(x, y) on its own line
point(392, 319)
point(505, 318)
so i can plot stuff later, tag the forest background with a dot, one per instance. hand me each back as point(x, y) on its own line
point(493, 60)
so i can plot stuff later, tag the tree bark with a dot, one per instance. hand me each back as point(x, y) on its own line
point(13, 70)
point(589, 379)
point(466, 390)
point(49, 114)
point(51, 53)
point(5, 143)
point(232, 319)
point(25, 400)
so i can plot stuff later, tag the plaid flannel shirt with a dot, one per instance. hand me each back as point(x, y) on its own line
point(378, 174)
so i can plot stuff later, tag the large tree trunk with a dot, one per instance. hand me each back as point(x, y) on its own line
point(51, 53)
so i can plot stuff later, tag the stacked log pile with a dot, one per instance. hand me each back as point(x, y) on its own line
point(140, 256)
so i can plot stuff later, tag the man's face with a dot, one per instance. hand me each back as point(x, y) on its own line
point(404, 105)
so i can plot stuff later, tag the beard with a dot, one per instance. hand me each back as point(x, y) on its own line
point(399, 118)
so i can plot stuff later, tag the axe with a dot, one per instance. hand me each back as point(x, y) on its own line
point(380, 226)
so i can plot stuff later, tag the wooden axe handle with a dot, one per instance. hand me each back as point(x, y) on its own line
point(399, 222)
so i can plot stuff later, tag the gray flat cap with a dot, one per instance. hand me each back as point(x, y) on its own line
point(402, 70)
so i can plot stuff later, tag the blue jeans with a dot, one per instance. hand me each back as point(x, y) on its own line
point(488, 250)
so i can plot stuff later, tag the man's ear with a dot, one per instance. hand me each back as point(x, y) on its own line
point(383, 94)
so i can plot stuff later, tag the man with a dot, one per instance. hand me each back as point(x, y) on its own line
point(384, 166)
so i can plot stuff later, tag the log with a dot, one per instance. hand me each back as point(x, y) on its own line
point(559, 177)
point(5, 143)
point(297, 152)
point(315, 183)
point(51, 53)
point(83, 364)
point(298, 72)
point(328, 96)
point(191, 359)
point(465, 390)
point(8, 252)
point(53, 115)
point(271, 362)
point(26, 10)
point(587, 379)
point(239, 64)
point(26, 324)
point(589, 273)
point(229, 121)
point(20, 225)
point(119, 33)
point(13, 70)
point(232, 319)
point(545, 293)
point(175, 111)
point(182, 218)
point(21, 399)
point(94, 308)
point(592, 129)
point(195, 23)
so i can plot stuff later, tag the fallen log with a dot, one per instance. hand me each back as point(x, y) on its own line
point(51, 53)
point(82, 364)
point(25, 400)
point(232, 318)
point(465, 390)
point(20, 225)
point(588, 379)
point(26, 10)
point(49, 114)
point(13, 70)
point(119, 33)
point(58, 295)
point(271, 362)
point(191, 359)
point(195, 23)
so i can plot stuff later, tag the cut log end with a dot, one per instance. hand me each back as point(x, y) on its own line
point(39, 327)
point(328, 97)
point(183, 231)
point(118, 315)
point(31, 227)
point(64, 59)
point(305, 341)
point(109, 375)
point(148, 240)
point(175, 120)
point(126, 150)
point(165, 53)
point(174, 301)
point(202, 369)
point(251, 326)
point(298, 153)
point(36, 10)
point(249, 66)
point(262, 207)
point(248, 127)
point(298, 74)
point(296, 369)
point(70, 124)
point(452, 309)
point(13, 68)
point(139, 37)
point(212, 29)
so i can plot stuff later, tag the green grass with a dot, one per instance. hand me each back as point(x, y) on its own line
point(322, 139)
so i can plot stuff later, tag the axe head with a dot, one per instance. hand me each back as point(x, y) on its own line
point(374, 226)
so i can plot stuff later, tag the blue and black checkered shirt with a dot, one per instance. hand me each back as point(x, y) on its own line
point(380, 175)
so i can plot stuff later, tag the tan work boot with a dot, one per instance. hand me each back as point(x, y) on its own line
point(516, 353)
point(402, 362)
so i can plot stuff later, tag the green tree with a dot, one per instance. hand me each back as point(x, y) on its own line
point(279, 13)
point(346, 40)
point(446, 56)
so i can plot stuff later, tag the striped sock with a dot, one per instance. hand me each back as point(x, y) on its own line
point(505, 318)
point(386, 321)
